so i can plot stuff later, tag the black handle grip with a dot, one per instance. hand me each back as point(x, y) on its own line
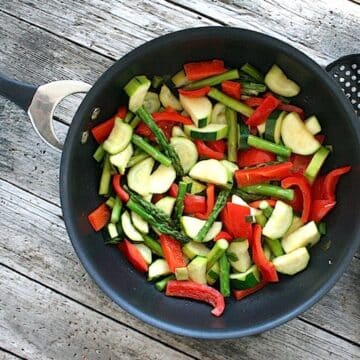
point(19, 93)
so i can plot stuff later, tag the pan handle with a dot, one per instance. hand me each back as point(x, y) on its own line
point(40, 102)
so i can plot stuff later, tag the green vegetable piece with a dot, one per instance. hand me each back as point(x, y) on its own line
point(268, 146)
point(213, 80)
point(157, 81)
point(116, 211)
point(161, 284)
point(224, 275)
point(179, 204)
point(181, 273)
point(105, 179)
point(275, 246)
point(253, 72)
point(270, 190)
point(231, 119)
point(99, 153)
point(216, 252)
point(316, 163)
point(154, 245)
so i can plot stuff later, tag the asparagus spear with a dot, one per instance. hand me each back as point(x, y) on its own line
point(161, 139)
point(220, 203)
point(270, 190)
point(248, 197)
point(268, 146)
point(99, 153)
point(161, 284)
point(253, 72)
point(179, 204)
point(105, 177)
point(224, 276)
point(275, 246)
point(116, 210)
point(232, 134)
point(136, 158)
point(154, 246)
point(213, 80)
point(216, 252)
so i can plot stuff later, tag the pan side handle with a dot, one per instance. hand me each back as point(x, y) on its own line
point(40, 102)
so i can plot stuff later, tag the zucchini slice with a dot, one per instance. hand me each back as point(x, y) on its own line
point(166, 204)
point(161, 179)
point(305, 235)
point(191, 226)
point(192, 249)
point(292, 263)
point(167, 98)
point(177, 132)
point(145, 252)
point(151, 102)
point(199, 109)
point(119, 137)
point(210, 171)
point(313, 125)
point(129, 228)
point(273, 126)
point(243, 134)
point(180, 79)
point(182, 273)
point(316, 163)
point(279, 83)
point(196, 187)
point(238, 255)
point(207, 133)
point(158, 268)
point(245, 280)
point(139, 223)
point(213, 274)
point(218, 114)
point(136, 89)
point(187, 152)
point(197, 270)
point(121, 159)
point(297, 137)
point(279, 221)
point(138, 177)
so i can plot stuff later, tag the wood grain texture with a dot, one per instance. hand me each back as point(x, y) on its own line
point(34, 313)
point(8, 356)
point(27, 247)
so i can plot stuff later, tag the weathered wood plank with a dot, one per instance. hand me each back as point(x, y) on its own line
point(26, 247)
point(39, 324)
point(325, 30)
point(8, 356)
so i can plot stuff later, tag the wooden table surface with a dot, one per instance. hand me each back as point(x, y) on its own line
point(49, 307)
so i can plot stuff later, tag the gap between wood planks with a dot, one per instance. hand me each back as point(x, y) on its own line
point(8, 355)
point(113, 59)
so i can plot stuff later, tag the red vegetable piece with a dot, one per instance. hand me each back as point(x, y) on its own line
point(231, 88)
point(194, 204)
point(301, 182)
point(331, 180)
point(300, 163)
point(256, 204)
point(223, 235)
point(320, 208)
point(156, 198)
point(171, 116)
point(99, 217)
point(207, 152)
point(252, 157)
point(210, 202)
point(200, 292)
point(165, 126)
point(133, 255)
point(292, 108)
point(120, 192)
point(261, 114)
point(320, 138)
point(173, 191)
point(252, 176)
point(266, 268)
point(217, 145)
point(172, 252)
point(203, 69)
point(234, 220)
point(254, 101)
point(195, 93)
point(240, 294)
point(317, 189)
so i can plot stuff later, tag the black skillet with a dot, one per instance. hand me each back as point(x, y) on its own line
point(79, 177)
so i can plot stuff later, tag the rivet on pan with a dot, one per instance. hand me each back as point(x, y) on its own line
point(84, 136)
point(95, 114)
point(353, 77)
point(354, 66)
point(341, 79)
point(342, 67)
point(347, 72)
point(347, 84)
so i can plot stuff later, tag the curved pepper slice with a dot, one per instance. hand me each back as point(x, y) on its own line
point(263, 111)
point(207, 152)
point(210, 202)
point(240, 294)
point(195, 93)
point(301, 182)
point(256, 204)
point(133, 255)
point(320, 208)
point(217, 145)
point(171, 116)
point(120, 192)
point(331, 180)
point(252, 157)
point(223, 235)
point(266, 268)
point(200, 292)
point(192, 203)
point(172, 252)
point(203, 69)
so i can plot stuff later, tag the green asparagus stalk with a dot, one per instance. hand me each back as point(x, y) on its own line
point(99, 153)
point(253, 72)
point(136, 158)
point(213, 80)
point(179, 204)
point(224, 276)
point(116, 211)
point(220, 203)
point(104, 187)
point(110, 202)
point(135, 122)
point(270, 190)
point(230, 102)
point(161, 284)
point(151, 150)
point(129, 116)
point(268, 146)
point(161, 139)
point(153, 245)
point(216, 252)
point(232, 134)
point(251, 88)
point(275, 246)
point(246, 196)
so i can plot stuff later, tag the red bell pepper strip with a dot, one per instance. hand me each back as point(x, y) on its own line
point(240, 294)
point(331, 180)
point(200, 292)
point(317, 189)
point(165, 126)
point(120, 192)
point(320, 208)
point(171, 116)
point(217, 145)
point(156, 198)
point(292, 108)
point(252, 157)
point(133, 255)
point(194, 204)
point(207, 152)
point(234, 220)
point(231, 88)
point(223, 235)
point(252, 176)
point(99, 217)
point(256, 204)
point(320, 138)
point(300, 163)
point(103, 130)
point(301, 182)
point(173, 190)
point(203, 69)
point(266, 268)
point(253, 101)
point(210, 202)
point(172, 252)
point(195, 93)
point(297, 202)
point(262, 112)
